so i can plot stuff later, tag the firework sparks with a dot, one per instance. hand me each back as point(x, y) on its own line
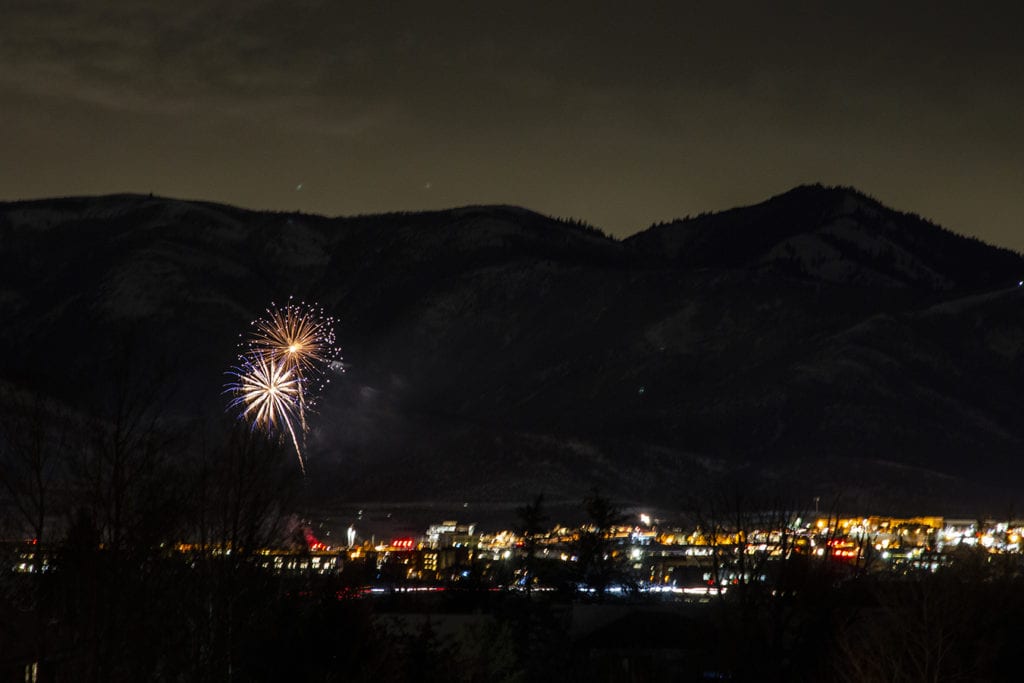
point(284, 365)
point(270, 396)
point(300, 337)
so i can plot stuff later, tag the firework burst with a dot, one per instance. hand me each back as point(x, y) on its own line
point(283, 365)
point(299, 336)
point(270, 397)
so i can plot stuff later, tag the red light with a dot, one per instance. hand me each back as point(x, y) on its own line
point(312, 542)
point(403, 543)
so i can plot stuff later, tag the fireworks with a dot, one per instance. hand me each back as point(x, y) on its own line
point(269, 395)
point(283, 367)
point(299, 337)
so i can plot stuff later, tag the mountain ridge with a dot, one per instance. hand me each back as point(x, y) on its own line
point(494, 351)
point(811, 228)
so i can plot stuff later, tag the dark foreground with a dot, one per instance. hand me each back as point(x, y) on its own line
point(101, 618)
point(148, 563)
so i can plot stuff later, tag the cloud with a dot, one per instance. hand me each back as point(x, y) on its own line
point(619, 114)
point(186, 58)
point(360, 60)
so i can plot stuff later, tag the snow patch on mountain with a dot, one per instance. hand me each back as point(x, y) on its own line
point(676, 332)
point(820, 258)
point(137, 289)
point(300, 246)
point(877, 247)
point(32, 218)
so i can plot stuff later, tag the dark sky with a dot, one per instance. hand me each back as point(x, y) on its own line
point(618, 113)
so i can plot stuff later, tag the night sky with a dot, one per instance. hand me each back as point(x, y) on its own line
point(621, 114)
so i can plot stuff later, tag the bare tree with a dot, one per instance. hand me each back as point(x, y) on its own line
point(241, 486)
point(767, 583)
point(919, 629)
point(35, 436)
point(124, 516)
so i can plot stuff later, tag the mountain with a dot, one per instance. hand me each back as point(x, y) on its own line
point(817, 342)
point(836, 235)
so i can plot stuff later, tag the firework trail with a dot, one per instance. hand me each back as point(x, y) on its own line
point(284, 365)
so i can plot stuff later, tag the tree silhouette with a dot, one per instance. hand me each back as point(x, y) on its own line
point(35, 437)
point(600, 562)
point(531, 520)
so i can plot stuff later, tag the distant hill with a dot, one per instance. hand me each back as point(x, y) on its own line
point(817, 341)
point(837, 235)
